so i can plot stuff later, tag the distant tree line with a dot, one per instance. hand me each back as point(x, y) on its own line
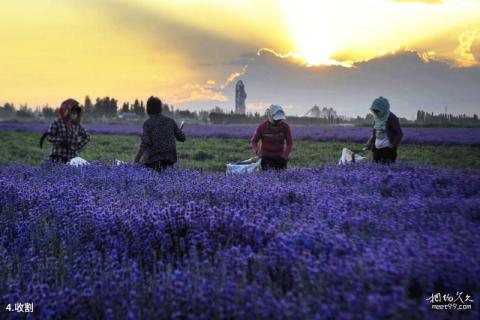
point(107, 109)
point(425, 118)
point(102, 108)
point(253, 118)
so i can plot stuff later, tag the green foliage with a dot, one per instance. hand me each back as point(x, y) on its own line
point(202, 156)
point(213, 154)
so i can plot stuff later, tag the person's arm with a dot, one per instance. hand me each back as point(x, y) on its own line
point(370, 141)
point(53, 134)
point(255, 139)
point(289, 139)
point(139, 155)
point(85, 138)
point(397, 133)
point(179, 135)
point(145, 143)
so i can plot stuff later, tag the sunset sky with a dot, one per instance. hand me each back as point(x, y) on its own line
point(190, 52)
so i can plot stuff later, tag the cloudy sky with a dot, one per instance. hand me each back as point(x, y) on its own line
point(296, 53)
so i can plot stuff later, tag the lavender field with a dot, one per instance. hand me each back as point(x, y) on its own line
point(355, 242)
point(430, 136)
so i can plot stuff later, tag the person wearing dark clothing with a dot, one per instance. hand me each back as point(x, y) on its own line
point(66, 133)
point(269, 163)
point(276, 138)
point(387, 132)
point(160, 133)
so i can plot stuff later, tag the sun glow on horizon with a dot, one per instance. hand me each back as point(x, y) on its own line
point(191, 51)
point(312, 29)
point(345, 31)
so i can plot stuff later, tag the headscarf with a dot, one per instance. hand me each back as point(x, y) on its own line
point(381, 104)
point(67, 107)
point(275, 112)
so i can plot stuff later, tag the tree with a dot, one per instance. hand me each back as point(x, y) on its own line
point(138, 108)
point(88, 106)
point(217, 109)
point(166, 110)
point(112, 107)
point(48, 112)
point(125, 107)
point(7, 111)
point(105, 107)
point(24, 112)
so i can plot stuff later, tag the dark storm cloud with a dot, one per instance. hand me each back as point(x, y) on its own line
point(409, 82)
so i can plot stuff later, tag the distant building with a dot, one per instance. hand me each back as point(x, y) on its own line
point(326, 113)
point(240, 96)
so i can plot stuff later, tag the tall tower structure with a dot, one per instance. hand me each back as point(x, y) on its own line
point(240, 96)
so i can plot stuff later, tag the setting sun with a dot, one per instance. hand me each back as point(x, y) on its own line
point(344, 31)
point(129, 49)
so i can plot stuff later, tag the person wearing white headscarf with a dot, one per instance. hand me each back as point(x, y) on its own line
point(276, 140)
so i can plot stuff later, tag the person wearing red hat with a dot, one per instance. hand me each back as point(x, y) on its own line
point(66, 133)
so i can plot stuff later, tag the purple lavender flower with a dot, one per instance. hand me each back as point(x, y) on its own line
point(121, 242)
point(431, 136)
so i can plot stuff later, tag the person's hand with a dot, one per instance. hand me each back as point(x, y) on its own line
point(367, 146)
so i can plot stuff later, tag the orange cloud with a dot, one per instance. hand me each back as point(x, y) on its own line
point(197, 92)
point(475, 49)
point(280, 55)
point(466, 55)
point(299, 59)
point(234, 76)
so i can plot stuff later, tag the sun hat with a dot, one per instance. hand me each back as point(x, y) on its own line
point(68, 106)
point(277, 112)
point(380, 105)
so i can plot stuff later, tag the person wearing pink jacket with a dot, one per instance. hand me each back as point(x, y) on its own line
point(276, 140)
